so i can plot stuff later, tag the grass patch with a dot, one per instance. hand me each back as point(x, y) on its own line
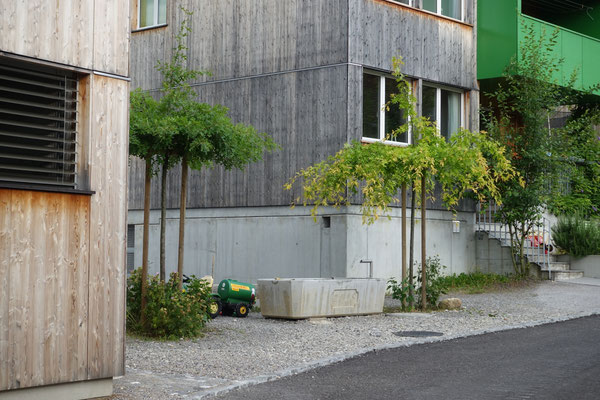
point(478, 282)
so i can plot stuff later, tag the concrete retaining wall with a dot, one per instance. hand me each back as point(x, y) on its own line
point(590, 265)
point(266, 242)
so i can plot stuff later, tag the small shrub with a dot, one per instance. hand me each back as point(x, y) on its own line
point(170, 313)
point(402, 291)
point(478, 282)
point(436, 286)
point(576, 236)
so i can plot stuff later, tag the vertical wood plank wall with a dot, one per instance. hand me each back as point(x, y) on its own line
point(293, 69)
point(108, 177)
point(86, 34)
point(62, 264)
point(43, 276)
point(62, 256)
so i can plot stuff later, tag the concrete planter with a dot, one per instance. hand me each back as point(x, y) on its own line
point(314, 297)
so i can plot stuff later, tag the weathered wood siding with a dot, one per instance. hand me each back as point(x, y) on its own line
point(62, 255)
point(233, 38)
point(86, 34)
point(433, 48)
point(44, 257)
point(305, 112)
point(108, 215)
point(293, 69)
point(62, 263)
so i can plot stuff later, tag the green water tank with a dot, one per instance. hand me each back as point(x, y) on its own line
point(232, 291)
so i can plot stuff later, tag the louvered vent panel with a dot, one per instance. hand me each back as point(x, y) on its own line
point(38, 126)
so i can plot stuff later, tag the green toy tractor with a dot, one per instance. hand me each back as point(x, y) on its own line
point(233, 297)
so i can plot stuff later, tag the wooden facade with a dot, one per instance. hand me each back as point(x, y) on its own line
point(62, 253)
point(294, 69)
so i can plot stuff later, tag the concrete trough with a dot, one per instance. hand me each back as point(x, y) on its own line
point(299, 298)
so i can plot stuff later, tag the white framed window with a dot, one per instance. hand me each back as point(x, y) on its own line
point(449, 8)
point(152, 13)
point(444, 106)
point(378, 123)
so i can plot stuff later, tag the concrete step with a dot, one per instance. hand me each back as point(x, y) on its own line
point(555, 266)
point(565, 275)
point(542, 259)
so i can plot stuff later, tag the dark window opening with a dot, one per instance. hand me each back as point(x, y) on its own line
point(130, 248)
point(38, 125)
point(371, 106)
point(577, 15)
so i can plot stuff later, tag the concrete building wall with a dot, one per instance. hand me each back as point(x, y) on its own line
point(266, 242)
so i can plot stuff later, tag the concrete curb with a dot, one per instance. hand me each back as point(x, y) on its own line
point(335, 359)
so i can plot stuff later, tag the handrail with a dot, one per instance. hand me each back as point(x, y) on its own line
point(538, 245)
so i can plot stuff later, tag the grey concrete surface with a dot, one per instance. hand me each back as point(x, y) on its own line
point(240, 352)
point(554, 361)
point(251, 243)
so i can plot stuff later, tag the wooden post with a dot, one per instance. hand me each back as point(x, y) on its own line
point(423, 243)
point(147, 181)
point(163, 217)
point(182, 205)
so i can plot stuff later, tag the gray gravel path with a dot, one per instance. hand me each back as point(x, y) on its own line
point(237, 352)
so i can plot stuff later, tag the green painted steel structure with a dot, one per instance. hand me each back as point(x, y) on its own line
point(500, 33)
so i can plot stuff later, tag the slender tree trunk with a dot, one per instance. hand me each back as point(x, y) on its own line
point(163, 217)
point(403, 239)
point(411, 259)
point(147, 181)
point(182, 205)
point(423, 244)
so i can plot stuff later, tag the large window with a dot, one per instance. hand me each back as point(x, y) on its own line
point(378, 122)
point(449, 8)
point(38, 125)
point(443, 106)
point(152, 13)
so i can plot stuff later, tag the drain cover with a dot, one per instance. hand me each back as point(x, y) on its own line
point(417, 333)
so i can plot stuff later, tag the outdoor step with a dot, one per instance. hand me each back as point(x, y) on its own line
point(543, 259)
point(566, 275)
point(554, 266)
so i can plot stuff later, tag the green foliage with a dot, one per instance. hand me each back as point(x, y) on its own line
point(177, 127)
point(436, 286)
point(577, 236)
point(170, 313)
point(478, 282)
point(468, 161)
point(402, 291)
point(518, 119)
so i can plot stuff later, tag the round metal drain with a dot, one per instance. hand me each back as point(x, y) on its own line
point(418, 333)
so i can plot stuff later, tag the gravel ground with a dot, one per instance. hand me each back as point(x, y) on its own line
point(237, 352)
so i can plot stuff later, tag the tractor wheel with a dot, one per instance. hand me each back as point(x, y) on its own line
point(241, 310)
point(214, 308)
point(226, 309)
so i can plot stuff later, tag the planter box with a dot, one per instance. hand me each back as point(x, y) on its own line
point(314, 297)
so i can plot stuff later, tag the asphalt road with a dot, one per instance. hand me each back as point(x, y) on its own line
point(555, 361)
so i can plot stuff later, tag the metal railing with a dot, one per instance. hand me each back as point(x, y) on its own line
point(538, 245)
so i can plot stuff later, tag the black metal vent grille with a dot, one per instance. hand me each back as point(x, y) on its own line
point(38, 126)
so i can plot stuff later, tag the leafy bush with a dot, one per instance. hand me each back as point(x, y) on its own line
point(170, 313)
point(577, 236)
point(478, 282)
point(436, 286)
point(402, 291)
